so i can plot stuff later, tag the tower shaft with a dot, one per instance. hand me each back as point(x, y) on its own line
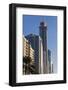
point(43, 35)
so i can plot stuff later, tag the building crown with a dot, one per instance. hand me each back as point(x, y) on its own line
point(43, 24)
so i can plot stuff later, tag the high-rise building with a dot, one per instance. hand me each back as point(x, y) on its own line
point(28, 57)
point(36, 44)
point(40, 57)
point(26, 47)
point(49, 60)
point(43, 35)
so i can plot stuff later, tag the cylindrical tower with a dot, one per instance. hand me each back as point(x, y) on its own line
point(43, 36)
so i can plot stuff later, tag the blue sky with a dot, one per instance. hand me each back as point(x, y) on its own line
point(31, 25)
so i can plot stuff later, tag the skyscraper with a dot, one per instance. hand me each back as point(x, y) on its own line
point(43, 35)
point(36, 44)
point(49, 60)
point(40, 56)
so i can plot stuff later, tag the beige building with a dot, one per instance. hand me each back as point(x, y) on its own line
point(27, 49)
point(32, 54)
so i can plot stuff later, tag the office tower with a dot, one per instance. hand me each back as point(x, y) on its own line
point(43, 35)
point(35, 42)
point(49, 60)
